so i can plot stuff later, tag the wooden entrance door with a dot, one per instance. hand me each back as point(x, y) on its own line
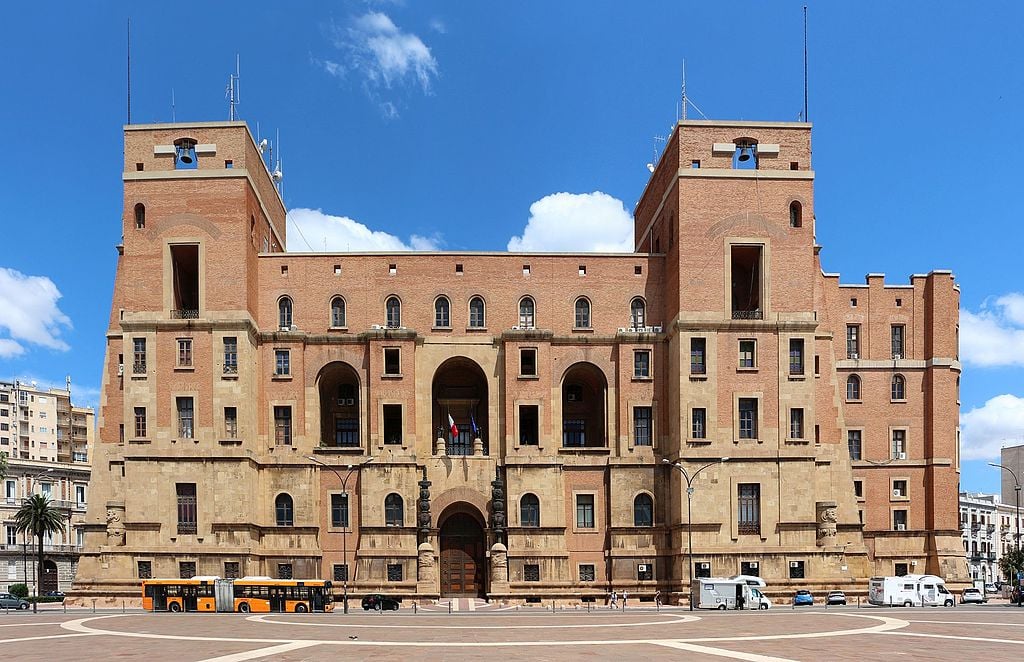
point(462, 557)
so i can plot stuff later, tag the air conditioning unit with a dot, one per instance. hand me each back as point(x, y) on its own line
point(897, 493)
point(656, 329)
point(901, 527)
point(376, 327)
point(704, 566)
point(623, 329)
point(901, 456)
point(572, 396)
point(642, 567)
point(517, 328)
point(350, 401)
point(753, 565)
point(897, 357)
point(854, 355)
point(120, 369)
point(794, 564)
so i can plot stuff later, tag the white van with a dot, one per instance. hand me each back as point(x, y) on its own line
point(728, 593)
point(909, 591)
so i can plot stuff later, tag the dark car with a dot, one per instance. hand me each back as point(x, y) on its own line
point(836, 598)
point(379, 602)
point(8, 601)
point(803, 597)
point(55, 594)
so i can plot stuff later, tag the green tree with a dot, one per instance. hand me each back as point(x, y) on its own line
point(3, 465)
point(18, 590)
point(1011, 563)
point(38, 517)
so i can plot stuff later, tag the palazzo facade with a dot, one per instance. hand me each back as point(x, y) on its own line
point(511, 425)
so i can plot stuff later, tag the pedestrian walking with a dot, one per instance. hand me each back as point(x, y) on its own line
point(624, 597)
point(612, 603)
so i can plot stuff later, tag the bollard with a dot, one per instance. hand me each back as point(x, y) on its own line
point(414, 608)
point(449, 605)
point(122, 606)
point(65, 605)
point(94, 605)
point(552, 606)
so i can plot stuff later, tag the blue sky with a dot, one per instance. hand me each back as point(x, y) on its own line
point(483, 125)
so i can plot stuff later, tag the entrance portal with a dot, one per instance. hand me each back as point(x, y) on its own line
point(462, 557)
point(48, 582)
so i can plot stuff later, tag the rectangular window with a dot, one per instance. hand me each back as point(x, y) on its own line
point(645, 571)
point(699, 423)
point(642, 363)
point(341, 572)
point(284, 570)
point(139, 356)
point(392, 424)
point(748, 350)
point(642, 426)
point(752, 568)
point(796, 356)
point(231, 356)
point(186, 417)
point(231, 570)
point(702, 570)
point(184, 352)
point(346, 431)
point(528, 362)
point(899, 444)
point(392, 361)
point(698, 356)
point(187, 508)
point(858, 489)
point(899, 489)
point(140, 422)
point(282, 362)
point(531, 572)
point(748, 418)
point(585, 511)
point(283, 426)
point(746, 282)
point(853, 441)
point(145, 569)
point(394, 572)
point(587, 573)
point(231, 422)
point(339, 511)
point(796, 423)
point(853, 341)
point(185, 270)
point(817, 365)
point(899, 520)
point(749, 507)
point(574, 432)
point(12, 536)
point(528, 425)
point(80, 495)
point(898, 332)
point(796, 569)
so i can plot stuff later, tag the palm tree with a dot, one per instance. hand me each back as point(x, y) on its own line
point(38, 517)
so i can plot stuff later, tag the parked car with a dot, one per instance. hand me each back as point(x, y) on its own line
point(803, 597)
point(972, 595)
point(379, 602)
point(836, 598)
point(991, 589)
point(8, 601)
point(55, 594)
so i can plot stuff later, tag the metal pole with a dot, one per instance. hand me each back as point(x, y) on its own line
point(689, 537)
point(1016, 488)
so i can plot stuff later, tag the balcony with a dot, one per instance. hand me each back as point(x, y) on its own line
point(184, 314)
point(756, 314)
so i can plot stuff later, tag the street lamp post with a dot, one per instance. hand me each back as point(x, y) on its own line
point(1016, 489)
point(344, 529)
point(689, 520)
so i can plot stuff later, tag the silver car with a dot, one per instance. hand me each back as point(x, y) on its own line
point(8, 601)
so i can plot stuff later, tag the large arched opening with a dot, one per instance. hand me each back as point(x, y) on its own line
point(463, 558)
point(584, 407)
point(460, 391)
point(339, 405)
point(48, 582)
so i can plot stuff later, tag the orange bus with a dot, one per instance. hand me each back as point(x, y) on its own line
point(249, 594)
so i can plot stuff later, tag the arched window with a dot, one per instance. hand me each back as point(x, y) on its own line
point(853, 387)
point(476, 313)
point(393, 309)
point(337, 312)
point(140, 216)
point(795, 214)
point(529, 510)
point(284, 313)
point(582, 313)
point(899, 387)
point(526, 313)
point(442, 312)
point(643, 510)
point(637, 313)
point(393, 515)
point(284, 510)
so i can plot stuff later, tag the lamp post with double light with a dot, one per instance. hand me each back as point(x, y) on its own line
point(689, 510)
point(1016, 489)
point(345, 528)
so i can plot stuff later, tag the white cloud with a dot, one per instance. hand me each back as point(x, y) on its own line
point(29, 313)
point(384, 56)
point(577, 222)
point(984, 430)
point(994, 336)
point(437, 25)
point(340, 233)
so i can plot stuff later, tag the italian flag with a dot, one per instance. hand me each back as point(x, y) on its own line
point(454, 428)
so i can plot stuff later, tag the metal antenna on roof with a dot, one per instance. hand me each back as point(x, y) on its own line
point(683, 74)
point(234, 90)
point(806, 119)
point(129, 70)
point(172, 106)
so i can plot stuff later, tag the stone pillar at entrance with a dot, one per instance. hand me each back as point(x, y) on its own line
point(426, 579)
point(499, 571)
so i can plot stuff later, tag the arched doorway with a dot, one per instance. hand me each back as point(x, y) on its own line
point(460, 391)
point(584, 395)
point(463, 563)
point(48, 582)
point(339, 405)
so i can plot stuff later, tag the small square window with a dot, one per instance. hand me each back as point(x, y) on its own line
point(794, 165)
point(752, 568)
point(284, 570)
point(145, 567)
point(393, 269)
point(858, 488)
point(583, 270)
point(587, 573)
point(695, 163)
point(140, 167)
point(284, 269)
point(644, 572)
point(531, 572)
point(229, 164)
point(526, 270)
point(853, 302)
point(186, 569)
point(458, 268)
point(337, 270)
point(638, 270)
point(392, 361)
point(528, 362)
point(341, 572)
point(899, 303)
point(394, 572)
point(796, 569)
point(899, 489)
point(231, 570)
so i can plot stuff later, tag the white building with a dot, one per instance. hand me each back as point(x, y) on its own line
point(47, 441)
point(979, 528)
